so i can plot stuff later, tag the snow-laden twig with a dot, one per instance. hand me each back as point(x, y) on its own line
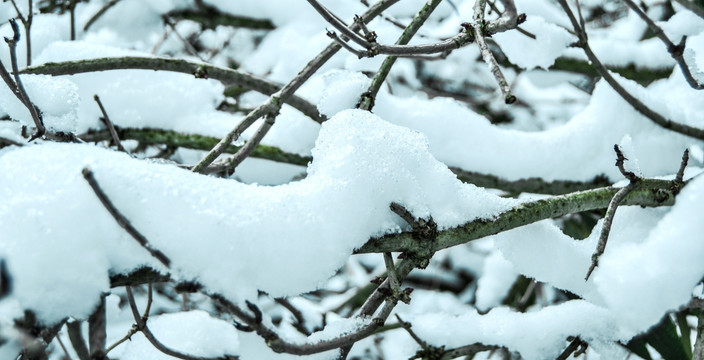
point(676, 51)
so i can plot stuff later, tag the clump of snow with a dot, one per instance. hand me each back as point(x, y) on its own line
point(141, 99)
point(682, 23)
point(497, 278)
point(193, 333)
point(285, 239)
point(342, 90)
point(57, 99)
point(585, 142)
point(549, 43)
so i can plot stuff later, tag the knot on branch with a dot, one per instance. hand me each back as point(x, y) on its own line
point(201, 73)
point(620, 160)
point(423, 230)
point(677, 50)
point(430, 352)
point(521, 18)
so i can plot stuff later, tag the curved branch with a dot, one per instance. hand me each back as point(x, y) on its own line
point(199, 70)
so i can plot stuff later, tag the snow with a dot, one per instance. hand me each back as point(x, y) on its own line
point(232, 222)
point(536, 335)
point(523, 51)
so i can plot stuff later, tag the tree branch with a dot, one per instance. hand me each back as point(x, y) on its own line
point(647, 192)
point(633, 101)
point(199, 70)
point(676, 51)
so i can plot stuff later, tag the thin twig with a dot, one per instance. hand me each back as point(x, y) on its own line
point(187, 45)
point(299, 319)
point(611, 210)
point(34, 112)
point(100, 13)
point(273, 104)
point(63, 347)
point(570, 349)
point(676, 51)
point(632, 100)
point(488, 57)
point(111, 128)
point(122, 220)
point(680, 173)
point(142, 326)
point(368, 98)
point(407, 326)
point(97, 331)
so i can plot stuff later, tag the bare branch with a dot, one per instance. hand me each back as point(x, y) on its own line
point(676, 51)
point(646, 192)
point(111, 128)
point(368, 98)
point(633, 101)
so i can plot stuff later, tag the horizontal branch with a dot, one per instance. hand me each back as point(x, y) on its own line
point(530, 185)
point(648, 192)
point(196, 142)
point(199, 70)
point(211, 18)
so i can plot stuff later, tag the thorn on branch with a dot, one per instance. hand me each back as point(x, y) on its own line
point(620, 160)
point(255, 310)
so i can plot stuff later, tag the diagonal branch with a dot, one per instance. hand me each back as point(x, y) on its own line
point(676, 51)
point(632, 100)
point(479, 30)
point(122, 220)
